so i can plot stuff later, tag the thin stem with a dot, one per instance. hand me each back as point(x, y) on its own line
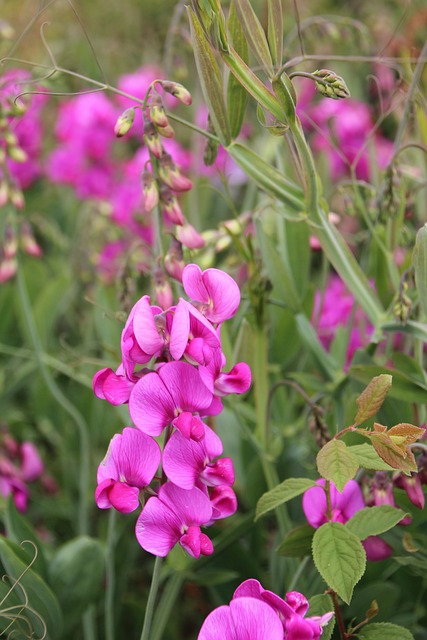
point(261, 386)
point(110, 576)
point(145, 635)
point(338, 615)
point(62, 400)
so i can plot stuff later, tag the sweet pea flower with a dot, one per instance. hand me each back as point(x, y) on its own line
point(171, 395)
point(192, 336)
point(216, 292)
point(186, 461)
point(131, 461)
point(221, 383)
point(113, 387)
point(175, 515)
point(242, 619)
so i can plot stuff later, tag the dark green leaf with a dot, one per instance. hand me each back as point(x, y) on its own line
point(18, 529)
point(297, 543)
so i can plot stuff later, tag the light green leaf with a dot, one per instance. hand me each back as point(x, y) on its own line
point(336, 462)
point(384, 631)
point(371, 521)
point(237, 96)
point(339, 557)
point(371, 399)
point(210, 79)
point(368, 458)
point(254, 34)
point(410, 327)
point(76, 573)
point(285, 491)
point(319, 605)
point(297, 543)
point(40, 596)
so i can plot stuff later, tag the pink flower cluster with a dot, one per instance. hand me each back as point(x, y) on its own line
point(172, 377)
point(344, 131)
point(259, 614)
point(20, 463)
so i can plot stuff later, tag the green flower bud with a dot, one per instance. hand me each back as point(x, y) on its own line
point(332, 85)
point(124, 122)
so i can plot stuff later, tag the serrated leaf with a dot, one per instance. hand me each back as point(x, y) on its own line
point(371, 521)
point(290, 488)
point(297, 543)
point(368, 458)
point(40, 597)
point(371, 399)
point(339, 557)
point(210, 79)
point(254, 34)
point(336, 462)
point(319, 605)
point(419, 261)
point(384, 631)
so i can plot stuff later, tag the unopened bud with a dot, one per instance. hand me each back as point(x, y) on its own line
point(29, 243)
point(4, 193)
point(8, 269)
point(174, 262)
point(152, 140)
point(10, 243)
point(166, 132)
point(150, 191)
point(178, 91)
point(170, 206)
point(17, 154)
point(171, 176)
point(189, 237)
point(10, 139)
point(332, 85)
point(124, 122)
point(157, 111)
point(162, 289)
point(17, 198)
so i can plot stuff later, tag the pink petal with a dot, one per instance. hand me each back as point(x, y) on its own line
point(183, 460)
point(101, 493)
point(298, 628)
point(193, 506)
point(151, 406)
point(350, 500)
point(376, 549)
point(193, 283)
point(298, 602)
point(315, 506)
point(224, 294)
point(157, 528)
point(223, 501)
point(185, 386)
point(191, 541)
point(244, 619)
point(180, 330)
point(31, 464)
point(219, 473)
point(145, 329)
point(123, 497)
point(238, 380)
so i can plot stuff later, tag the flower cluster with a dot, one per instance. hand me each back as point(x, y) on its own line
point(172, 376)
point(258, 614)
point(20, 464)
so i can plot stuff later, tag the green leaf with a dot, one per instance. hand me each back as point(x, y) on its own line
point(326, 363)
point(336, 462)
point(371, 521)
point(297, 543)
point(319, 605)
point(419, 261)
point(267, 177)
point(18, 530)
point(339, 557)
point(237, 96)
point(76, 573)
point(210, 79)
point(368, 458)
point(384, 631)
point(290, 488)
point(40, 596)
point(254, 34)
point(371, 399)
point(410, 327)
point(275, 31)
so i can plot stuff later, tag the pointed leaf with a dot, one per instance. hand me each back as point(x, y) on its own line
point(371, 521)
point(297, 543)
point(336, 463)
point(419, 261)
point(383, 631)
point(368, 458)
point(285, 491)
point(254, 34)
point(339, 557)
point(210, 79)
point(390, 454)
point(403, 388)
point(275, 31)
point(237, 96)
point(371, 399)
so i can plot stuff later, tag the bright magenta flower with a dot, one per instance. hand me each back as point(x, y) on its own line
point(216, 292)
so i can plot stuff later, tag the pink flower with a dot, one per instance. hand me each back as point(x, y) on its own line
point(175, 515)
point(130, 464)
point(243, 619)
point(192, 336)
point(185, 461)
point(216, 292)
point(113, 387)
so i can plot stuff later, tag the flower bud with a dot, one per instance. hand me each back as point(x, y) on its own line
point(163, 290)
point(178, 91)
point(157, 112)
point(171, 176)
point(29, 243)
point(189, 237)
point(16, 154)
point(8, 269)
point(124, 122)
point(333, 86)
point(17, 198)
point(150, 191)
point(170, 206)
point(152, 140)
point(174, 263)
point(10, 244)
point(4, 193)
point(166, 132)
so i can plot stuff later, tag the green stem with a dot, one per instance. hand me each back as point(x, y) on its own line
point(261, 386)
point(145, 635)
point(110, 577)
point(62, 400)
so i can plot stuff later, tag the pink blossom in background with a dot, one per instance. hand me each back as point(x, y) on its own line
point(20, 464)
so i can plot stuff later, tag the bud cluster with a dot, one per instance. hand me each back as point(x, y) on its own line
point(9, 249)
point(331, 85)
point(172, 376)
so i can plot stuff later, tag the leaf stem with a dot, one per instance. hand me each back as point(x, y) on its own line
point(145, 635)
point(110, 576)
